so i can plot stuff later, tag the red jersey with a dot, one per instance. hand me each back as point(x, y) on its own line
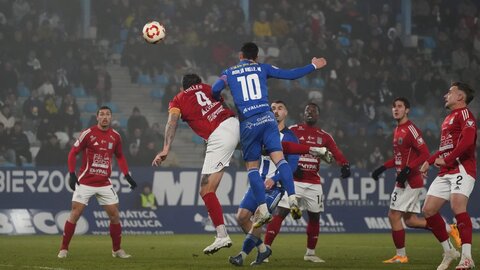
point(458, 141)
point(97, 147)
point(409, 149)
point(308, 164)
point(199, 109)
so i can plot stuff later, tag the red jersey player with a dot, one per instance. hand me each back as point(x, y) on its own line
point(457, 162)
point(218, 126)
point(307, 181)
point(409, 152)
point(97, 144)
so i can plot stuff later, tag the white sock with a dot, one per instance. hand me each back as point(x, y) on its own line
point(263, 209)
point(262, 248)
point(244, 255)
point(401, 252)
point(447, 226)
point(310, 252)
point(446, 245)
point(467, 250)
point(221, 231)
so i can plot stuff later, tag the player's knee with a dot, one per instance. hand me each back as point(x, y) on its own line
point(393, 216)
point(242, 219)
point(428, 211)
point(204, 185)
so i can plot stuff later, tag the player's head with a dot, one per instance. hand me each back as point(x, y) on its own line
point(459, 95)
point(249, 51)
point(104, 117)
point(190, 79)
point(311, 113)
point(280, 110)
point(400, 108)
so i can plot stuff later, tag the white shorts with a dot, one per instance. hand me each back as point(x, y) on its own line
point(444, 186)
point(105, 195)
point(406, 199)
point(220, 146)
point(309, 196)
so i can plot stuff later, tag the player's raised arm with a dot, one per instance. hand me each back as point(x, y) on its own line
point(218, 86)
point(292, 74)
point(170, 130)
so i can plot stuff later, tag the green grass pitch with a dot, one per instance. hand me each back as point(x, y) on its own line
point(341, 251)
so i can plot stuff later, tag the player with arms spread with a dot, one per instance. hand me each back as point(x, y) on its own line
point(457, 161)
point(409, 152)
point(97, 144)
point(248, 84)
point(307, 180)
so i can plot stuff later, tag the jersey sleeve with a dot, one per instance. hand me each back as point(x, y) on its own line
point(332, 147)
point(219, 85)
point(419, 145)
point(389, 163)
point(79, 145)
point(174, 106)
point(288, 74)
point(122, 161)
point(467, 136)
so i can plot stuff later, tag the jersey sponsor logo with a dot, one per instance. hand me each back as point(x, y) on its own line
point(110, 145)
point(100, 161)
point(214, 115)
point(255, 107)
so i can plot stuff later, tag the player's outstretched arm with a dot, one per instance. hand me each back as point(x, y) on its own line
point(218, 86)
point(170, 130)
point(292, 74)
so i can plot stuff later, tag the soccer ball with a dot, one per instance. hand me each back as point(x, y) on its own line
point(153, 32)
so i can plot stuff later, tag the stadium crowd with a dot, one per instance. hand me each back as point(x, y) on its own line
point(45, 63)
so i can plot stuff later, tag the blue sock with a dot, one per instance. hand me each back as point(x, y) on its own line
point(249, 243)
point(257, 186)
point(286, 176)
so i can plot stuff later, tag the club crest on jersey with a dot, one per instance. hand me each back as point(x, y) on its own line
point(470, 123)
point(319, 140)
point(400, 141)
point(420, 140)
point(110, 145)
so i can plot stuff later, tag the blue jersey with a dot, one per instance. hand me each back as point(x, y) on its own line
point(268, 170)
point(248, 83)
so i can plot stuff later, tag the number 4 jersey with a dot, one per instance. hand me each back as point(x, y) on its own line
point(199, 109)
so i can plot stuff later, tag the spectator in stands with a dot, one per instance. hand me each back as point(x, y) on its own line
point(120, 130)
point(32, 106)
point(18, 141)
point(68, 121)
point(136, 120)
point(8, 80)
point(156, 135)
point(45, 127)
point(5, 151)
point(7, 118)
point(50, 153)
point(103, 86)
point(261, 26)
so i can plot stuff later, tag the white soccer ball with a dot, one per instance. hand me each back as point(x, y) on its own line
point(153, 32)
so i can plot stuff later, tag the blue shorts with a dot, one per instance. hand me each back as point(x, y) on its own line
point(272, 198)
point(257, 131)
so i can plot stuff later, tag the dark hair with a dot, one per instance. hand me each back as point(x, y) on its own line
point(313, 104)
point(249, 51)
point(190, 79)
point(280, 102)
point(104, 108)
point(469, 92)
point(402, 99)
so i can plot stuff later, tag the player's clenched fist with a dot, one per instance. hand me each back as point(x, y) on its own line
point(319, 62)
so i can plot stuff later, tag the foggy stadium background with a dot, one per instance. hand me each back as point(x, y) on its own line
point(61, 59)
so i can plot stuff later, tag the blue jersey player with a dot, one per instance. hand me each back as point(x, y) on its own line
point(248, 83)
point(274, 191)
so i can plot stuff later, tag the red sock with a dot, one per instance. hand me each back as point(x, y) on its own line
point(464, 225)
point(116, 235)
point(295, 148)
point(68, 231)
point(437, 225)
point(399, 238)
point(214, 208)
point(273, 228)
point(313, 229)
